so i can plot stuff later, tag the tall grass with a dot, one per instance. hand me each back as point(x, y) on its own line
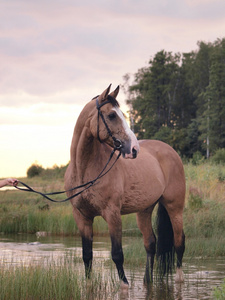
point(219, 292)
point(57, 280)
point(203, 215)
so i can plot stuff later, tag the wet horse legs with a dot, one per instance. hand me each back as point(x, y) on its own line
point(145, 226)
point(179, 240)
point(113, 219)
point(118, 259)
point(87, 255)
point(86, 230)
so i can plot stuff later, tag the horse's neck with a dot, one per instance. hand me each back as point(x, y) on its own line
point(84, 149)
point(81, 135)
point(85, 153)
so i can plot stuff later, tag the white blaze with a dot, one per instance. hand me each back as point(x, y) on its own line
point(129, 132)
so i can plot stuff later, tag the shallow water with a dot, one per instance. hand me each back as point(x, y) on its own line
point(201, 275)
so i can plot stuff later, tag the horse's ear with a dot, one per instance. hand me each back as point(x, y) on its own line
point(115, 93)
point(104, 95)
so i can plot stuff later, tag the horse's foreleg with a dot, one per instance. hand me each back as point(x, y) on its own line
point(87, 254)
point(145, 226)
point(115, 229)
point(86, 230)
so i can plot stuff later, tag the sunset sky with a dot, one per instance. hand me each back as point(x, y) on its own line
point(57, 55)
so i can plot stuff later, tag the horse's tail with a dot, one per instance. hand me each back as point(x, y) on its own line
point(165, 242)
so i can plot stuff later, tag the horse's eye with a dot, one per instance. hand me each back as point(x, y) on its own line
point(112, 116)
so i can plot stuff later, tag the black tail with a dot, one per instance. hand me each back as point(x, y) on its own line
point(165, 242)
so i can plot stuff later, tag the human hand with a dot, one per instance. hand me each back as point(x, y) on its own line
point(11, 181)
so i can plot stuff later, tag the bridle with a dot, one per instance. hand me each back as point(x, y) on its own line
point(116, 142)
point(117, 145)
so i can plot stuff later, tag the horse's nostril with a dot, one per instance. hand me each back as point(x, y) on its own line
point(134, 152)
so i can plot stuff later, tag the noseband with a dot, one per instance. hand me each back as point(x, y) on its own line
point(117, 144)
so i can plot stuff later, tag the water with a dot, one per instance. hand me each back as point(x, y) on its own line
point(201, 275)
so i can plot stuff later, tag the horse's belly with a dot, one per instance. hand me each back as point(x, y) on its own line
point(141, 195)
point(144, 185)
point(139, 201)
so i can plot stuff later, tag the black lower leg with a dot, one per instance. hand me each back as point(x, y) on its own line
point(180, 252)
point(150, 261)
point(87, 255)
point(117, 257)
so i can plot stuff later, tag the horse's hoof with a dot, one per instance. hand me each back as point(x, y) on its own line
point(148, 279)
point(179, 277)
point(124, 286)
point(147, 282)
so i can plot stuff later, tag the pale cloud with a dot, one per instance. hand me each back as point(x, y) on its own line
point(47, 48)
point(57, 55)
point(40, 114)
point(207, 3)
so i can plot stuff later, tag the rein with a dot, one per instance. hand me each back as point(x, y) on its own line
point(117, 146)
point(85, 186)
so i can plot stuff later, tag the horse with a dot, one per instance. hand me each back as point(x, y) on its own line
point(149, 172)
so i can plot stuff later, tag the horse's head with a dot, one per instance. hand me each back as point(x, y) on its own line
point(109, 125)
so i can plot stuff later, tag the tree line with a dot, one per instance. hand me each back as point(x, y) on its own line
point(180, 99)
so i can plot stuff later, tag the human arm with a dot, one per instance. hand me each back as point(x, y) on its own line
point(8, 181)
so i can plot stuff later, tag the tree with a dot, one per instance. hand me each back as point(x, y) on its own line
point(180, 99)
point(155, 88)
point(212, 115)
point(34, 170)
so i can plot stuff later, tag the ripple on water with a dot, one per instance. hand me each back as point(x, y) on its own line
point(201, 275)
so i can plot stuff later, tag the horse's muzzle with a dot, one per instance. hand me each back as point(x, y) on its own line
point(127, 152)
point(134, 152)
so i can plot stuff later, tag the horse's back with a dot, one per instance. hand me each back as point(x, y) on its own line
point(158, 149)
point(171, 165)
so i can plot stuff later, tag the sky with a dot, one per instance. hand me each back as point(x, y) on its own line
point(55, 56)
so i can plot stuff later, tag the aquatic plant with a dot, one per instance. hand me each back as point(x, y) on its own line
point(61, 280)
point(219, 292)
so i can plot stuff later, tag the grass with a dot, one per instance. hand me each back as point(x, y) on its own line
point(204, 226)
point(203, 215)
point(24, 212)
point(219, 292)
point(56, 280)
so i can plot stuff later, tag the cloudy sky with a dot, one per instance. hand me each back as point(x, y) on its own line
point(57, 55)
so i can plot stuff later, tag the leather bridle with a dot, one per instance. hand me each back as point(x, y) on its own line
point(117, 145)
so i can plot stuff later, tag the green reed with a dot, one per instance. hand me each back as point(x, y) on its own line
point(219, 292)
point(61, 279)
point(22, 212)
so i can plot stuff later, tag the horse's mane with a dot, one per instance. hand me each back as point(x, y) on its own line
point(111, 99)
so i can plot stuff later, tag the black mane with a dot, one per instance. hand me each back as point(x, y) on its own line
point(110, 99)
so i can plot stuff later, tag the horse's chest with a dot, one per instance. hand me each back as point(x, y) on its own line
point(92, 201)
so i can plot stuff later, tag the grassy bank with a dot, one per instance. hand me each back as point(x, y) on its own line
point(204, 221)
point(55, 280)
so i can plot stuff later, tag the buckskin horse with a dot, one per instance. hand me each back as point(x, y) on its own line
point(153, 175)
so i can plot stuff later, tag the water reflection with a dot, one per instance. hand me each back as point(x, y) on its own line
point(200, 275)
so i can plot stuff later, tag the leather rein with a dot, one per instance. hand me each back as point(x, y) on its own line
point(117, 145)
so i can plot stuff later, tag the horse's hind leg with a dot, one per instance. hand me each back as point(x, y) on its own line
point(176, 217)
point(145, 226)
